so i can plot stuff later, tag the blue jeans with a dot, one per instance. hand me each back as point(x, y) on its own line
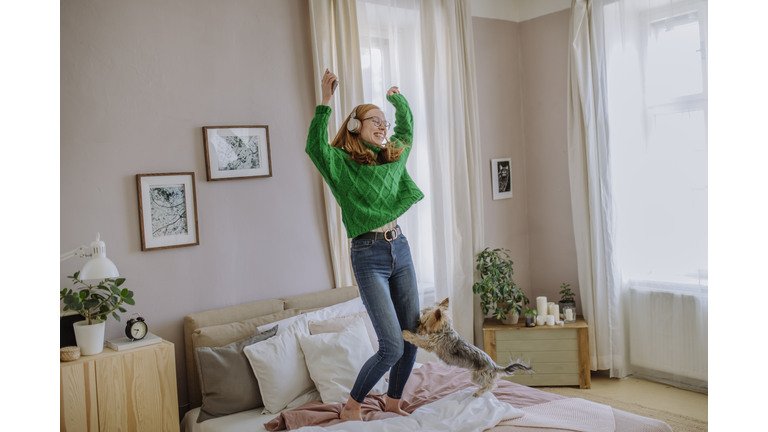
point(387, 283)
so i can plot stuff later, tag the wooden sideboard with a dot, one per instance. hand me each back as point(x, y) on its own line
point(558, 354)
point(133, 390)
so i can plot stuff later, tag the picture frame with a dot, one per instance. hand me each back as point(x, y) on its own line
point(501, 178)
point(167, 210)
point(237, 152)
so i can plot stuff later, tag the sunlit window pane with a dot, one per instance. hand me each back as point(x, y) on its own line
point(674, 63)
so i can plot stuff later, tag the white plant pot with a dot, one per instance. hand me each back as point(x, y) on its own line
point(90, 338)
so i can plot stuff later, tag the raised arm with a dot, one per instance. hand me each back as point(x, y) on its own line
point(403, 131)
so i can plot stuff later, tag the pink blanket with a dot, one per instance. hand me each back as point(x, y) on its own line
point(434, 381)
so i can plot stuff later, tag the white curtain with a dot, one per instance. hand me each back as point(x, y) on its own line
point(425, 48)
point(638, 165)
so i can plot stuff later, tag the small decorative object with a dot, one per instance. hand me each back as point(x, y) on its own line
point(567, 298)
point(541, 304)
point(541, 320)
point(237, 152)
point(530, 317)
point(95, 303)
point(135, 328)
point(498, 292)
point(550, 320)
point(569, 313)
point(69, 353)
point(167, 210)
point(501, 178)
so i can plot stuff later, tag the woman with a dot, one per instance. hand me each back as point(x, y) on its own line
point(366, 173)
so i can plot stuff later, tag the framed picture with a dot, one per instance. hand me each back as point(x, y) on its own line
point(167, 210)
point(501, 178)
point(237, 152)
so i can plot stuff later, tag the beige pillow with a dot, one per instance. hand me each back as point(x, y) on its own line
point(225, 334)
point(336, 325)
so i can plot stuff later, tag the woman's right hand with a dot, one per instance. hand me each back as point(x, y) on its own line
point(327, 86)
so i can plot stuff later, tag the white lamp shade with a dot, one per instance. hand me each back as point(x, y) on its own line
point(99, 268)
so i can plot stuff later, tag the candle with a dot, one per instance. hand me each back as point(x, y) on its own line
point(569, 314)
point(550, 320)
point(541, 320)
point(554, 309)
point(541, 305)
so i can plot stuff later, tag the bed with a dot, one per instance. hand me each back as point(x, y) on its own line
point(282, 364)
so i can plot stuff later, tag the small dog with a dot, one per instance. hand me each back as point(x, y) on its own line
point(436, 335)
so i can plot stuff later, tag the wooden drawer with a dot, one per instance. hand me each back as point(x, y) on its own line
point(553, 354)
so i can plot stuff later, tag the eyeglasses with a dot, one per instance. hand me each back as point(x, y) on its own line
point(378, 122)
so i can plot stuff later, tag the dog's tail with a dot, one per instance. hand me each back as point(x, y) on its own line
point(516, 365)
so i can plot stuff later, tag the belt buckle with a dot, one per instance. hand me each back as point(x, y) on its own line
point(394, 236)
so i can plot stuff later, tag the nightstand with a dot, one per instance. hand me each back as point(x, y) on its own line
point(132, 390)
point(558, 354)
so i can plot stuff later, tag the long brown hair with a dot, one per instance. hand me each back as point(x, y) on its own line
point(357, 150)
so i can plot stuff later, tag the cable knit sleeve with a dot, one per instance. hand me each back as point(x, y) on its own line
point(319, 150)
point(403, 120)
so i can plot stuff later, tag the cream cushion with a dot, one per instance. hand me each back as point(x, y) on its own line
point(335, 325)
point(335, 359)
point(279, 366)
point(224, 334)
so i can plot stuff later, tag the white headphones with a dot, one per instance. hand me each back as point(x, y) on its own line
point(353, 125)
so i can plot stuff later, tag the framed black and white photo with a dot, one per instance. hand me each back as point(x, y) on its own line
point(167, 210)
point(501, 178)
point(237, 152)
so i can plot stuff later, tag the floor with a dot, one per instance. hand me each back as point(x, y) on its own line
point(652, 395)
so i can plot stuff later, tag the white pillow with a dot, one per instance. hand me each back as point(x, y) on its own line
point(347, 308)
point(335, 359)
point(280, 367)
point(335, 325)
point(282, 325)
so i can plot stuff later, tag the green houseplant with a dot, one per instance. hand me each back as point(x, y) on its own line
point(95, 303)
point(498, 292)
point(530, 317)
point(567, 298)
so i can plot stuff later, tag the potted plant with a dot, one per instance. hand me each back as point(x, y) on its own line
point(530, 317)
point(95, 304)
point(498, 292)
point(567, 298)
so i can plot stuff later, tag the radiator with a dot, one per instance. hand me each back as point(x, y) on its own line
point(668, 330)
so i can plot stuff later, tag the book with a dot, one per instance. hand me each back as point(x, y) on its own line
point(124, 343)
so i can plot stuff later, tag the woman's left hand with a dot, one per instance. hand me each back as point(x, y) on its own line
point(393, 90)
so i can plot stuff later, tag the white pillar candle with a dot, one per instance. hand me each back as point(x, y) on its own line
point(541, 306)
point(569, 314)
point(554, 309)
point(550, 320)
point(541, 320)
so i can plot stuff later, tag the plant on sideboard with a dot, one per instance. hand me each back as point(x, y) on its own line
point(95, 303)
point(567, 298)
point(498, 291)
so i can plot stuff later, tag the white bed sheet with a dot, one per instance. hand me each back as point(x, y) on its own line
point(246, 421)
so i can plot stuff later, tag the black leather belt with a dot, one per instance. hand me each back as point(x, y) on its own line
point(385, 235)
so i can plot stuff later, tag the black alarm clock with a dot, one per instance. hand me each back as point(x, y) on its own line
point(136, 328)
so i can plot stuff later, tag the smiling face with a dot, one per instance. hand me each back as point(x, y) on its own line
point(369, 132)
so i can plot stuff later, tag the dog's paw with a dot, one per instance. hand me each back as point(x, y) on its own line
point(478, 393)
point(408, 336)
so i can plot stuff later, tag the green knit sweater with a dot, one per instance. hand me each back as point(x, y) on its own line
point(369, 196)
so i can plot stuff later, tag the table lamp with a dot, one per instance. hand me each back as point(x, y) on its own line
point(99, 266)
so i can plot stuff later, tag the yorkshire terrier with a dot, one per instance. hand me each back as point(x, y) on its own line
point(436, 335)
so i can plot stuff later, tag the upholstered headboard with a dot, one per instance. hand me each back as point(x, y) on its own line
point(304, 302)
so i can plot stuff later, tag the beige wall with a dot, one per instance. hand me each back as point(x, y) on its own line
point(544, 59)
point(139, 79)
point(499, 96)
point(521, 74)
